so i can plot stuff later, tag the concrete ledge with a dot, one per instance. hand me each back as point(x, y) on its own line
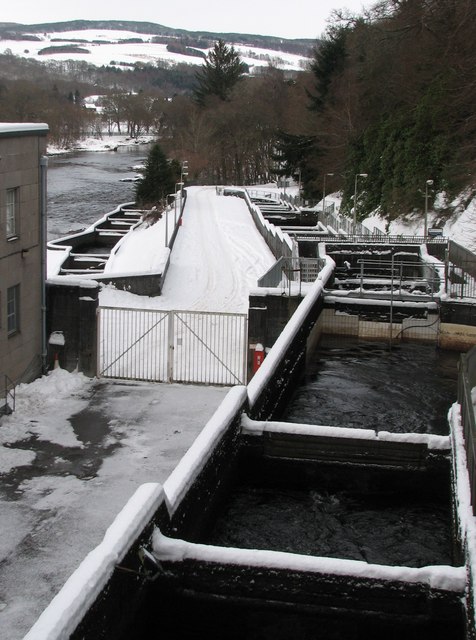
point(61, 618)
point(347, 446)
point(457, 336)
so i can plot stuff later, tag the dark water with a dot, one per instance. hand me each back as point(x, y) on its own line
point(399, 528)
point(367, 385)
point(192, 618)
point(387, 518)
point(84, 186)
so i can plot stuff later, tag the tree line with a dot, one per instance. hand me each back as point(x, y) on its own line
point(393, 95)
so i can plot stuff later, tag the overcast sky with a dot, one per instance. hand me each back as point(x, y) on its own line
point(284, 18)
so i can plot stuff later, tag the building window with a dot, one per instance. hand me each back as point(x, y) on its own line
point(12, 212)
point(13, 309)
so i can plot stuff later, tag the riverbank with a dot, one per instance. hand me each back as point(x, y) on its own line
point(105, 142)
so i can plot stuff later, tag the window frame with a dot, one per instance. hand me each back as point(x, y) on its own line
point(13, 310)
point(11, 215)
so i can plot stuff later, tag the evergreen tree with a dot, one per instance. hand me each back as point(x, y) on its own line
point(222, 70)
point(329, 61)
point(158, 180)
point(292, 156)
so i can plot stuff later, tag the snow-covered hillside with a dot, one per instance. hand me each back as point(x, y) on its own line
point(122, 48)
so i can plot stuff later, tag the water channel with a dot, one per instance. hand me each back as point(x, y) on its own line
point(357, 384)
point(390, 520)
point(408, 388)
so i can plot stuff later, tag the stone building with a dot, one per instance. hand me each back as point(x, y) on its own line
point(22, 251)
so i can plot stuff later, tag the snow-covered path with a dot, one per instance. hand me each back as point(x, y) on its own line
point(217, 257)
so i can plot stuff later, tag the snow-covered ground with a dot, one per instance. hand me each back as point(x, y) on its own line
point(74, 451)
point(217, 258)
point(110, 47)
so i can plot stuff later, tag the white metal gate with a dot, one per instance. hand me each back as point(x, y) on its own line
point(172, 346)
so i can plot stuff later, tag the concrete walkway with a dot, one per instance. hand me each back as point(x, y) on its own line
point(57, 507)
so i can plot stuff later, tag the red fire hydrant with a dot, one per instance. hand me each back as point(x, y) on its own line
point(258, 357)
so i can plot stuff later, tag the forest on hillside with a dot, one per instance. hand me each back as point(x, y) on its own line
point(393, 97)
point(389, 98)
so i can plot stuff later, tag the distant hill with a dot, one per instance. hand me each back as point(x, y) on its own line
point(18, 31)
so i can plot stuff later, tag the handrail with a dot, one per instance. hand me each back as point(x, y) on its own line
point(10, 394)
point(287, 270)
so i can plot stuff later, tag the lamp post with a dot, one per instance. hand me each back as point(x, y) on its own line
point(177, 184)
point(299, 187)
point(428, 183)
point(357, 175)
point(183, 173)
point(324, 192)
point(166, 222)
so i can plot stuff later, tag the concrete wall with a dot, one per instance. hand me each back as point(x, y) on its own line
point(458, 325)
point(21, 147)
point(334, 322)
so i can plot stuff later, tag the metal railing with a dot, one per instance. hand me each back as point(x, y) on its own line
point(466, 383)
point(287, 271)
point(462, 257)
point(460, 272)
point(400, 277)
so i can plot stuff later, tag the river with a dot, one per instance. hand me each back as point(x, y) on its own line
point(85, 185)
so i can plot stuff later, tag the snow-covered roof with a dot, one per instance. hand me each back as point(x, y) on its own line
point(8, 129)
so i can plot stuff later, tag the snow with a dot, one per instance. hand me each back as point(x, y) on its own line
point(56, 338)
point(55, 512)
point(346, 296)
point(175, 550)
point(208, 271)
point(462, 227)
point(215, 263)
point(104, 142)
point(217, 258)
point(61, 617)
point(186, 472)
point(107, 47)
point(143, 249)
point(15, 127)
point(466, 520)
point(433, 442)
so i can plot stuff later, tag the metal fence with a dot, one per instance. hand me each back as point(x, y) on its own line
point(467, 382)
point(461, 272)
point(288, 270)
point(463, 258)
point(172, 346)
point(401, 278)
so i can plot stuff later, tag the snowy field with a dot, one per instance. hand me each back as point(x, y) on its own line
point(109, 47)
